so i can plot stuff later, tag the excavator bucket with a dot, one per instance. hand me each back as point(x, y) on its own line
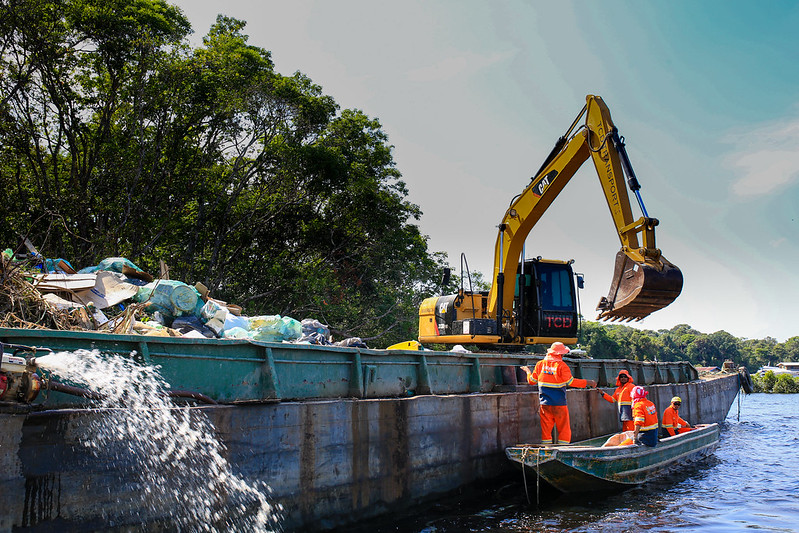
point(639, 289)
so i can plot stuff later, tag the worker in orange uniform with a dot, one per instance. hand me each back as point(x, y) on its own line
point(645, 416)
point(672, 422)
point(624, 397)
point(552, 375)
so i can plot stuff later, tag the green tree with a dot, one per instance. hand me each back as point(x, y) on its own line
point(595, 338)
point(758, 352)
point(120, 139)
point(642, 346)
point(785, 384)
point(788, 350)
point(769, 380)
point(68, 67)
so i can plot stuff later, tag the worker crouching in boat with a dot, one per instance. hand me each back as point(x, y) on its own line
point(624, 398)
point(645, 416)
point(672, 422)
point(553, 376)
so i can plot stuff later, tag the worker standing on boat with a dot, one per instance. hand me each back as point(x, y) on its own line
point(645, 415)
point(553, 375)
point(672, 422)
point(624, 397)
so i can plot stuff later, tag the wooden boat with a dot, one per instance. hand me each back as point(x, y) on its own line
point(587, 466)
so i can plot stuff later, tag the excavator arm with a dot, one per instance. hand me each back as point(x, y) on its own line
point(538, 303)
point(644, 281)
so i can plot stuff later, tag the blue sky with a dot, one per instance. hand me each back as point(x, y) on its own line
point(474, 94)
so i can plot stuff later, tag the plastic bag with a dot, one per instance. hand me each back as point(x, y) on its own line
point(236, 333)
point(233, 321)
point(311, 326)
point(352, 342)
point(114, 264)
point(214, 315)
point(185, 324)
point(290, 328)
point(172, 298)
point(274, 328)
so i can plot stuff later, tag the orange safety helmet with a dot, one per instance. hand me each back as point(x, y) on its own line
point(558, 348)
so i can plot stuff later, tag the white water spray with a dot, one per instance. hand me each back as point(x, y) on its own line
point(180, 473)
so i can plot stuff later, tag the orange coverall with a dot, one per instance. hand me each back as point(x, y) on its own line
point(673, 423)
point(646, 420)
point(623, 396)
point(552, 375)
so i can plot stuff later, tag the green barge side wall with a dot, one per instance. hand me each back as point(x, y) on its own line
point(329, 462)
point(233, 370)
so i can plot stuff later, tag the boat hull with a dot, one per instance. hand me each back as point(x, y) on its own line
point(589, 467)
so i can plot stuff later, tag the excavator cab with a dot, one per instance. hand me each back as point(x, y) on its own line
point(639, 288)
point(545, 300)
point(544, 309)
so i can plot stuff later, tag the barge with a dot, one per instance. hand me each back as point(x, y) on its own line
point(339, 434)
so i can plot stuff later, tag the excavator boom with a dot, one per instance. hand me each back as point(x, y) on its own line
point(532, 301)
point(643, 281)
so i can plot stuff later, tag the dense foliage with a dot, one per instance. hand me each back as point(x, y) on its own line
point(682, 343)
point(120, 139)
point(771, 382)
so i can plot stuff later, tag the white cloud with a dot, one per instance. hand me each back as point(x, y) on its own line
point(767, 159)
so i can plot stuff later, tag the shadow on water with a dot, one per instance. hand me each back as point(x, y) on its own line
point(501, 506)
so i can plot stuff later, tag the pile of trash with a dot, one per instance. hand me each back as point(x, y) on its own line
point(116, 296)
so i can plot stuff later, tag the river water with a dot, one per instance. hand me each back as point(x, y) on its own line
point(750, 483)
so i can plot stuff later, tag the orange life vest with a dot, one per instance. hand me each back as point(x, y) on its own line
point(552, 375)
point(672, 421)
point(645, 415)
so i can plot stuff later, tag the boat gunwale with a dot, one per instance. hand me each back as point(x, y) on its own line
point(570, 449)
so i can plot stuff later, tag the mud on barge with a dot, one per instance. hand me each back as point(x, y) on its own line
point(339, 434)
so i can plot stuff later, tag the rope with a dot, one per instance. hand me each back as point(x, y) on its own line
point(537, 477)
point(739, 406)
point(524, 474)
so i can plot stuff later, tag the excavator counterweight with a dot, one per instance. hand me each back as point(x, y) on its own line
point(638, 289)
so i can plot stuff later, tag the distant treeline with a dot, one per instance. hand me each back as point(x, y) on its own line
point(683, 343)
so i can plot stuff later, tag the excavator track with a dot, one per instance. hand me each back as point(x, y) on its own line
point(639, 289)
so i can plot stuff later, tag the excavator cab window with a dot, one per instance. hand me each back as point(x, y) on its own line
point(546, 305)
point(555, 288)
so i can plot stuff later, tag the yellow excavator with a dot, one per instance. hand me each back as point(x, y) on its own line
point(539, 304)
